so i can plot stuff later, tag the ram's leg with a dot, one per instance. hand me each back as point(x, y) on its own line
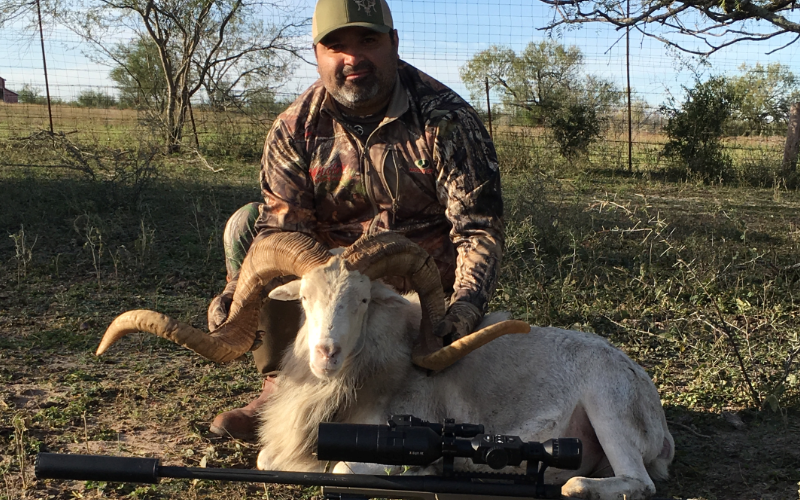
point(627, 424)
point(610, 488)
point(630, 480)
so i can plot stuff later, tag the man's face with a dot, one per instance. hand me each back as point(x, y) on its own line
point(358, 67)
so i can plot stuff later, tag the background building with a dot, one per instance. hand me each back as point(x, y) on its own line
point(8, 96)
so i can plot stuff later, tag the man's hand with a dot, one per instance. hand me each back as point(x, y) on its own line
point(460, 320)
point(220, 306)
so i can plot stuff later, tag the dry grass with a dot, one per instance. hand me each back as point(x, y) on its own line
point(21, 119)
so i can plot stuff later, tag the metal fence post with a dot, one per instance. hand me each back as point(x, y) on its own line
point(44, 64)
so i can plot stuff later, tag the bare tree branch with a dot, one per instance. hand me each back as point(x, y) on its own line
point(200, 44)
point(722, 23)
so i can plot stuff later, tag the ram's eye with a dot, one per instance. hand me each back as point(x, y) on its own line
point(364, 300)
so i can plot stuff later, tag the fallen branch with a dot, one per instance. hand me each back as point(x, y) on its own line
point(684, 426)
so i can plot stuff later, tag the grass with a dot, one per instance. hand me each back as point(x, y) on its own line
point(697, 283)
point(219, 134)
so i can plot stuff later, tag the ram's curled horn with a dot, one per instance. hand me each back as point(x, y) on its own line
point(447, 355)
point(391, 254)
point(278, 254)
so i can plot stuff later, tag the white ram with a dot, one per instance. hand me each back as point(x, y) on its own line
point(351, 363)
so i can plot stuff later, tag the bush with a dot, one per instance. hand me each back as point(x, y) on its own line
point(696, 128)
point(575, 127)
point(96, 99)
point(121, 174)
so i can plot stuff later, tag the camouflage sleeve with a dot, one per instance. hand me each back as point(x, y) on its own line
point(286, 186)
point(469, 186)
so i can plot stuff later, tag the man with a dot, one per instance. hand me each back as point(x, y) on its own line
point(374, 145)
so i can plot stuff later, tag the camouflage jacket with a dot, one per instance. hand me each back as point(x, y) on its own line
point(429, 171)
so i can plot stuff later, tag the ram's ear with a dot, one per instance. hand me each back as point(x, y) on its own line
point(289, 291)
point(382, 294)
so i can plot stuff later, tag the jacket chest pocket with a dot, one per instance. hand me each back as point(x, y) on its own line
point(408, 180)
point(339, 189)
point(334, 169)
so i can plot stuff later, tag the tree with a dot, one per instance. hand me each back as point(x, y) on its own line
point(25, 12)
point(198, 42)
point(31, 95)
point(546, 82)
point(763, 98)
point(714, 23)
point(535, 81)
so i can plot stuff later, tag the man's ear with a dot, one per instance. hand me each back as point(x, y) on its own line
point(395, 39)
point(289, 291)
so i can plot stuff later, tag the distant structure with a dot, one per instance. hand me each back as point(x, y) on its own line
point(8, 96)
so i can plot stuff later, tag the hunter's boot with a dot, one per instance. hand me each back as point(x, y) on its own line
point(278, 324)
point(242, 423)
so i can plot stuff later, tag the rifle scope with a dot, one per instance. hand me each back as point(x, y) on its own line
point(408, 440)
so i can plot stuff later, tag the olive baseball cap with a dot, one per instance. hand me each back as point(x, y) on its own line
point(330, 15)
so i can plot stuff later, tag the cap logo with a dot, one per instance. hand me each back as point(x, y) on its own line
point(367, 5)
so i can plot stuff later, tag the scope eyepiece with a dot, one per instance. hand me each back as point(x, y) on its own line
point(565, 453)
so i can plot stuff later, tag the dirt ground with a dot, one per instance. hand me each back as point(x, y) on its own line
point(146, 398)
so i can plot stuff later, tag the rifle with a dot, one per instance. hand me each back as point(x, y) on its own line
point(406, 440)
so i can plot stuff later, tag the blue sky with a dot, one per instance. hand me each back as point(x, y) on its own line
point(437, 36)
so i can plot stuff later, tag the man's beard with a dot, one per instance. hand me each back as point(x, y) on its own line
point(366, 91)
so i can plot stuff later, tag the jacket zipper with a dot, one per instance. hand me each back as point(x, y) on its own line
point(366, 162)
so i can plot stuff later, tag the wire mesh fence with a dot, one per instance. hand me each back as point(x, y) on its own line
point(440, 38)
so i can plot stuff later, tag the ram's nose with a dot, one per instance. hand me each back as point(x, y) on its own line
point(328, 352)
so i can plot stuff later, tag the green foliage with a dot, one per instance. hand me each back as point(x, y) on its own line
point(31, 95)
point(534, 81)
point(96, 99)
point(237, 124)
point(544, 85)
point(574, 127)
point(139, 75)
point(695, 129)
point(763, 97)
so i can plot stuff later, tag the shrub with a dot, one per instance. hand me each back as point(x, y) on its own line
point(696, 128)
point(96, 99)
point(575, 126)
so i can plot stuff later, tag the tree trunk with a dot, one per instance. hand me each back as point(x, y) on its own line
point(792, 141)
point(176, 117)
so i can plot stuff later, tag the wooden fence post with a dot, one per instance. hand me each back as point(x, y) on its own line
point(792, 141)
